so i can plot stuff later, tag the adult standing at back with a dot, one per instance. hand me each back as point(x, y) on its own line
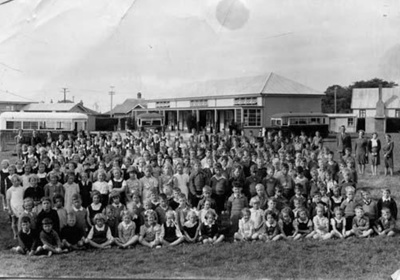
point(361, 150)
point(343, 141)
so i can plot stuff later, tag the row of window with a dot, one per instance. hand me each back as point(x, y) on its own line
point(363, 113)
point(46, 125)
point(246, 101)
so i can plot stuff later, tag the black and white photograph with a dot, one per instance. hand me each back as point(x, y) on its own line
point(199, 139)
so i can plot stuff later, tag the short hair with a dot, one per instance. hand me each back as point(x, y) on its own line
point(99, 216)
point(271, 213)
point(207, 188)
point(246, 211)
point(45, 198)
point(47, 221)
point(26, 219)
point(359, 207)
point(163, 196)
point(236, 184)
point(58, 197)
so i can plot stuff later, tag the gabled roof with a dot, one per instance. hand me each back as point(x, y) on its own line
point(366, 98)
point(57, 107)
point(128, 105)
point(270, 83)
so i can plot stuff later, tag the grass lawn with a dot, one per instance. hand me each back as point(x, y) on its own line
point(374, 258)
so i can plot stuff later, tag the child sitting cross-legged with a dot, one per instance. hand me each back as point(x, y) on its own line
point(150, 232)
point(50, 238)
point(321, 225)
point(100, 236)
point(72, 236)
point(28, 239)
point(302, 225)
point(246, 227)
point(271, 227)
point(170, 232)
point(209, 232)
point(191, 227)
point(384, 226)
point(126, 231)
point(361, 226)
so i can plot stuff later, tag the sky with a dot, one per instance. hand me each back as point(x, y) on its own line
point(154, 46)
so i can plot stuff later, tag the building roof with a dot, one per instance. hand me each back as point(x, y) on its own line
point(342, 115)
point(366, 98)
point(270, 83)
point(57, 107)
point(128, 105)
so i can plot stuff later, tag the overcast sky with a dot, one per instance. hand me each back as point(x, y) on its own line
point(154, 45)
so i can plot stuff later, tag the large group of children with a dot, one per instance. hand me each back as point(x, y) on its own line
point(156, 190)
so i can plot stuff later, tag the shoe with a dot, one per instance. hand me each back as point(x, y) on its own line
point(158, 246)
point(49, 254)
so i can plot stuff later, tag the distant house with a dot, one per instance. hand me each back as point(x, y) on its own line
point(377, 110)
point(130, 108)
point(63, 107)
point(246, 102)
point(11, 103)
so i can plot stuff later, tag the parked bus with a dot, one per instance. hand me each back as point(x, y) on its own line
point(297, 122)
point(150, 121)
point(55, 122)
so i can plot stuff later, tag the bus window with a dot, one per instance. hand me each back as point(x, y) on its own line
point(146, 122)
point(284, 121)
point(30, 125)
point(156, 122)
point(13, 125)
point(64, 126)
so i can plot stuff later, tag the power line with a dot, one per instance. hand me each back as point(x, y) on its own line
point(14, 94)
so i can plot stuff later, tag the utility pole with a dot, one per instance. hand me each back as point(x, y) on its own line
point(335, 99)
point(111, 93)
point(65, 90)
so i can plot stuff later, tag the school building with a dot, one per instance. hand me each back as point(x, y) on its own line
point(246, 103)
point(378, 110)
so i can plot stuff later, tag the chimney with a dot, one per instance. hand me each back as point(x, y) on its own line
point(139, 95)
point(380, 92)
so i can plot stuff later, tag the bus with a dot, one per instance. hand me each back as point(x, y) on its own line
point(55, 122)
point(297, 122)
point(150, 121)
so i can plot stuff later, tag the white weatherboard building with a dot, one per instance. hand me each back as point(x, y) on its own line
point(377, 110)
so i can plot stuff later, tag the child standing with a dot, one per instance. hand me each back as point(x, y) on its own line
point(257, 216)
point(70, 188)
point(58, 202)
point(236, 202)
point(53, 187)
point(94, 208)
point(80, 213)
point(348, 207)
point(100, 236)
point(14, 196)
point(369, 206)
point(48, 212)
point(388, 202)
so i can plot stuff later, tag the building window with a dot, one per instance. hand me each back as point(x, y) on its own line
point(350, 122)
point(362, 113)
point(30, 125)
point(245, 101)
point(199, 103)
point(397, 113)
point(252, 117)
point(162, 104)
point(10, 108)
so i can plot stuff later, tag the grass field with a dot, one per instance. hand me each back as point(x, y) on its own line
point(374, 258)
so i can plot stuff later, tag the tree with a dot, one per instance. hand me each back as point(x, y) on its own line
point(344, 94)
